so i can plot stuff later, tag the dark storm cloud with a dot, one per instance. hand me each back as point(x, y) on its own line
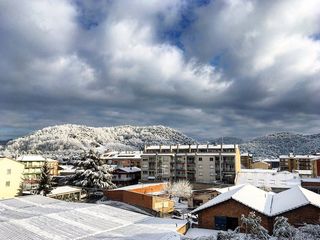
point(234, 67)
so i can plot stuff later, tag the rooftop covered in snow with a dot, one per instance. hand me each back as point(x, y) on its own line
point(37, 217)
point(267, 203)
point(33, 158)
point(267, 178)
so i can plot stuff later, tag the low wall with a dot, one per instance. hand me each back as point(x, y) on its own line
point(139, 198)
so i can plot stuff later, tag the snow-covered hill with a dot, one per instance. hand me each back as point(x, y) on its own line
point(67, 140)
point(273, 145)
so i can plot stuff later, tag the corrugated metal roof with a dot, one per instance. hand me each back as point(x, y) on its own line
point(38, 217)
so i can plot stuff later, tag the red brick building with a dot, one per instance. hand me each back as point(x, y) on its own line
point(224, 212)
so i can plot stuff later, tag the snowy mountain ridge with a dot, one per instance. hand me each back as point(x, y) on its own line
point(275, 144)
point(67, 140)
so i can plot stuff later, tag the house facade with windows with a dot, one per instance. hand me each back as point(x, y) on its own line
point(32, 169)
point(11, 178)
point(196, 163)
point(124, 176)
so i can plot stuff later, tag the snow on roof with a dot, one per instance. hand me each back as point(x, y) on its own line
point(304, 172)
point(130, 169)
point(267, 203)
point(310, 180)
point(267, 178)
point(293, 198)
point(33, 158)
point(140, 185)
point(200, 146)
point(63, 189)
point(123, 155)
point(298, 156)
point(201, 232)
point(38, 217)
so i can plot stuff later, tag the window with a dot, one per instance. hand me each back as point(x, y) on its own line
point(145, 172)
point(200, 158)
point(211, 159)
point(7, 183)
point(8, 171)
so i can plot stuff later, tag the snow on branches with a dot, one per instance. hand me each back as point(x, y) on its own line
point(45, 180)
point(92, 173)
point(180, 189)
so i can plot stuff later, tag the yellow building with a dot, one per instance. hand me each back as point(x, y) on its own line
point(32, 171)
point(11, 177)
point(260, 165)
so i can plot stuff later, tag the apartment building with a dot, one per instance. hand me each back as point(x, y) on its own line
point(32, 169)
point(10, 178)
point(294, 162)
point(196, 163)
point(246, 160)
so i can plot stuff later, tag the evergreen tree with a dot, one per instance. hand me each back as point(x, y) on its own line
point(45, 180)
point(252, 225)
point(92, 173)
point(282, 229)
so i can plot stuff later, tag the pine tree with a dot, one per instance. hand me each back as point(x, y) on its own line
point(45, 180)
point(282, 229)
point(92, 173)
point(252, 225)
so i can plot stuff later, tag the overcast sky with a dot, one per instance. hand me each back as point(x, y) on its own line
point(208, 68)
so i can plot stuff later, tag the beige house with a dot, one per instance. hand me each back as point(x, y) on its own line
point(260, 165)
point(196, 163)
point(11, 178)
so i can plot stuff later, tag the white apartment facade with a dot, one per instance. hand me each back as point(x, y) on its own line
point(197, 163)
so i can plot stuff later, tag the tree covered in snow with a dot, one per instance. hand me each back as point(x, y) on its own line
point(181, 189)
point(45, 186)
point(282, 229)
point(92, 173)
point(252, 225)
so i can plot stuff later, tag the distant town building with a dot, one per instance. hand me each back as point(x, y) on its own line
point(124, 176)
point(123, 159)
point(260, 165)
point(200, 197)
point(316, 166)
point(274, 162)
point(246, 160)
point(293, 162)
point(196, 163)
point(32, 169)
point(312, 184)
point(11, 174)
point(224, 212)
point(268, 179)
